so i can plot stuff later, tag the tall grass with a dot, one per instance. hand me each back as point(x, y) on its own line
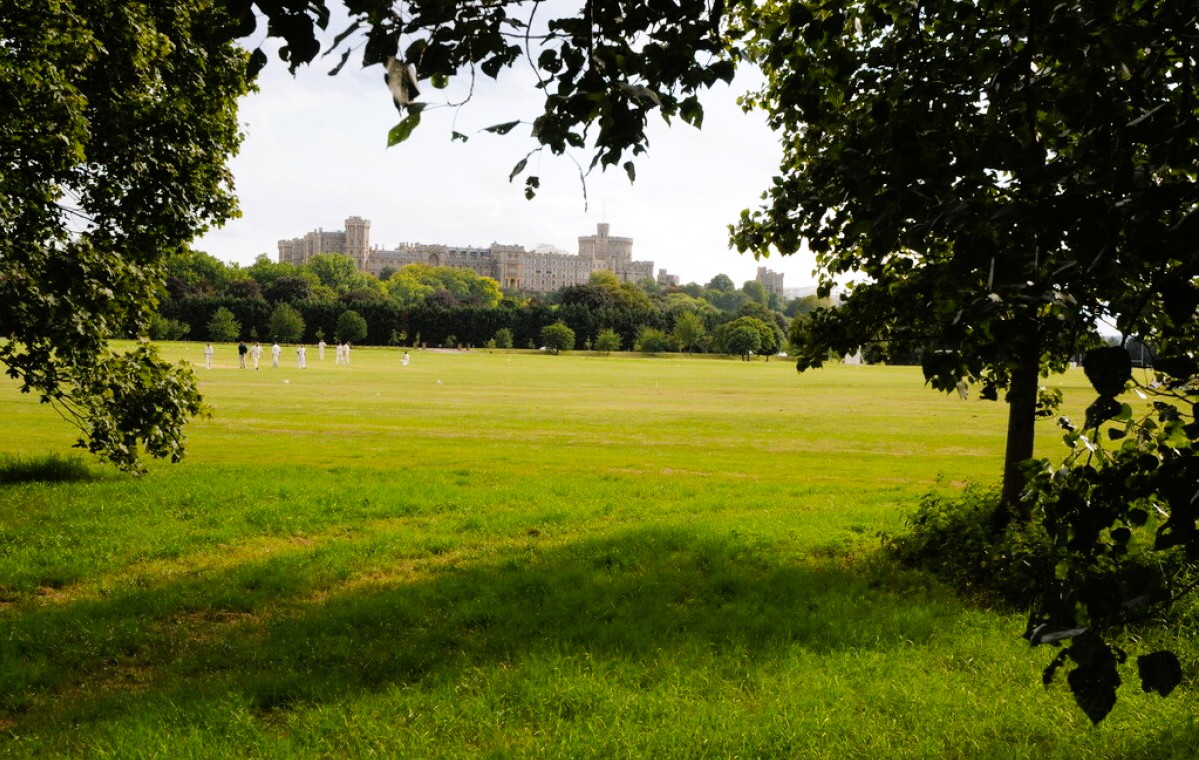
point(51, 468)
point(515, 555)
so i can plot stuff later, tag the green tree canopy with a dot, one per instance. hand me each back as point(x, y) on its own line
point(223, 327)
point(722, 283)
point(335, 271)
point(415, 284)
point(756, 292)
point(190, 272)
point(351, 326)
point(286, 324)
point(689, 330)
point(607, 340)
point(986, 182)
point(741, 338)
point(266, 272)
point(558, 337)
point(993, 178)
point(651, 340)
point(119, 118)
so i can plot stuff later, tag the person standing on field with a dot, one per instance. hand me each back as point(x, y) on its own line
point(256, 354)
point(208, 356)
point(320, 349)
point(405, 359)
point(275, 351)
point(241, 354)
point(301, 357)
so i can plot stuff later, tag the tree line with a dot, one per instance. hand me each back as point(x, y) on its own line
point(418, 305)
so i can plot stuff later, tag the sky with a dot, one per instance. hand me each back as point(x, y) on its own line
point(315, 153)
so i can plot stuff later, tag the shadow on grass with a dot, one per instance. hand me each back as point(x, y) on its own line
point(51, 468)
point(288, 629)
point(287, 632)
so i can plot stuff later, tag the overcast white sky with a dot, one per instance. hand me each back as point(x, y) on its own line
point(315, 153)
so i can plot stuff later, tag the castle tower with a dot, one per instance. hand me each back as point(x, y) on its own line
point(358, 240)
point(608, 252)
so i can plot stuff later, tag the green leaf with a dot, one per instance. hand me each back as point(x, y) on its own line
point(402, 131)
point(1108, 368)
point(691, 111)
point(1103, 409)
point(520, 167)
point(502, 129)
point(531, 185)
point(1181, 367)
point(256, 63)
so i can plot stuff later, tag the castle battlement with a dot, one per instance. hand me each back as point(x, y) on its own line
point(512, 266)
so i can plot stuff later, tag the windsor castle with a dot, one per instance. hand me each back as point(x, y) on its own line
point(512, 266)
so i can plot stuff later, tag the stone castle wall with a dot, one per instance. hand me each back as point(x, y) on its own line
point(512, 266)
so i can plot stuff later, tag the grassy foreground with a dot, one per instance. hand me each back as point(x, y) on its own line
point(525, 556)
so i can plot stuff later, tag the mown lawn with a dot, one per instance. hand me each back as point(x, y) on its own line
point(518, 555)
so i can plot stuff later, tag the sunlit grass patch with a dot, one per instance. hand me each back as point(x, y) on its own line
point(538, 557)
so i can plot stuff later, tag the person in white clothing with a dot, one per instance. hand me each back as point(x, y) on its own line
point(320, 349)
point(256, 353)
point(208, 356)
point(275, 351)
point(347, 352)
point(405, 359)
point(301, 357)
point(341, 354)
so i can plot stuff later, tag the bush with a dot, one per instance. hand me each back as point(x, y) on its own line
point(558, 337)
point(351, 327)
point(503, 338)
point(223, 328)
point(608, 340)
point(952, 537)
point(651, 340)
point(286, 324)
point(162, 328)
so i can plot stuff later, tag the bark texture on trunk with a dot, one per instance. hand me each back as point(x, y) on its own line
point(1021, 430)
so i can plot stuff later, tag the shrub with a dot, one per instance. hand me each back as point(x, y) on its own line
point(351, 327)
point(286, 323)
point(651, 340)
point(223, 328)
point(162, 328)
point(558, 337)
point(608, 340)
point(953, 538)
point(503, 338)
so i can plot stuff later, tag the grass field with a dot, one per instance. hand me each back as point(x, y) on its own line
point(518, 555)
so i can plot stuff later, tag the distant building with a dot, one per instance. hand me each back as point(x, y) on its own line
point(543, 270)
point(771, 281)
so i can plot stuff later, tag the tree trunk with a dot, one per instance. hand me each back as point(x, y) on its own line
point(1021, 430)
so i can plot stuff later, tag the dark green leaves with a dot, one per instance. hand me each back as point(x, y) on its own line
point(130, 124)
point(1109, 369)
point(502, 129)
point(1101, 410)
point(1179, 366)
point(402, 131)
